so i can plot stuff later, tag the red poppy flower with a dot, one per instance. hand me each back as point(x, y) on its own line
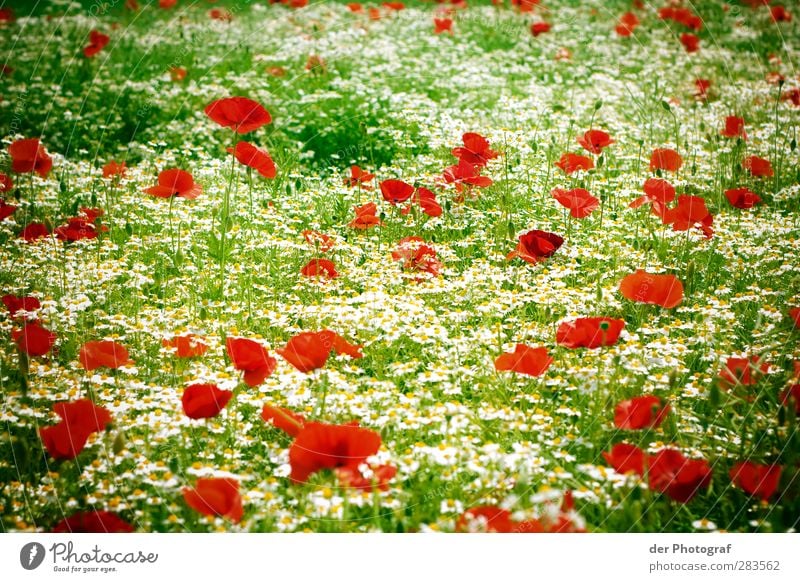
point(29, 155)
point(14, 304)
point(340, 345)
point(627, 24)
point(742, 371)
point(691, 42)
point(535, 246)
point(702, 87)
point(319, 268)
point(6, 184)
point(34, 231)
point(665, 159)
point(571, 163)
point(220, 14)
point(33, 339)
point(216, 496)
point(524, 360)
point(395, 191)
point(476, 150)
point(589, 332)
point(441, 25)
point(177, 74)
point(103, 354)
point(321, 242)
point(792, 394)
point(682, 16)
point(426, 201)
point(204, 400)
point(780, 14)
point(595, 141)
point(254, 157)
point(792, 95)
point(690, 211)
point(321, 446)
point(794, 313)
point(644, 287)
point(580, 202)
point(307, 351)
point(540, 27)
point(465, 173)
point(485, 519)
point(640, 412)
point(680, 478)
point(97, 41)
point(240, 113)
point(186, 346)
point(359, 177)
point(93, 521)
point(175, 182)
point(289, 422)
point(113, 168)
point(355, 7)
point(379, 477)
point(79, 419)
point(656, 191)
point(251, 358)
point(626, 458)
point(6, 210)
point(7, 15)
point(734, 127)
point(365, 217)
point(92, 214)
point(755, 479)
point(417, 256)
point(167, 3)
point(76, 229)
point(758, 167)
point(742, 198)
point(525, 5)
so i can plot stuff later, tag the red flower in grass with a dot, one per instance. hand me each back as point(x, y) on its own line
point(589, 332)
point(6, 210)
point(792, 394)
point(76, 229)
point(365, 217)
point(29, 155)
point(535, 246)
point(97, 41)
point(34, 231)
point(780, 14)
point(251, 358)
point(540, 27)
point(254, 157)
point(33, 339)
point(486, 519)
point(417, 256)
point(395, 191)
point(289, 422)
point(79, 419)
point(241, 114)
point(742, 198)
point(92, 214)
point(321, 242)
point(93, 521)
point(441, 25)
point(377, 478)
point(186, 346)
point(626, 458)
point(734, 127)
point(476, 150)
point(321, 446)
point(426, 201)
point(640, 412)
point(16, 303)
point(216, 496)
point(524, 360)
point(742, 371)
point(571, 163)
point(359, 177)
point(644, 287)
point(103, 354)
point(320, 268)
point(690, 211)
point(580, 202)
point(691, 42)
point(465, 173)
point(220, 14)
point(657, 191)
point(680, 478)
point(6, 184)
point(595, 141)
point(702, 87)
point(204, 400)
point(792, 95)
point(307, 351)
point(665, 159)
point(175, 182)
point(177, 74)
point(757, 480)
point(627, 24)
point(794, 313)
point(682, 16)
point(758, 167)
point(112, 169)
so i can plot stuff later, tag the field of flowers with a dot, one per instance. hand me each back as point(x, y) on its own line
point(527, 266)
